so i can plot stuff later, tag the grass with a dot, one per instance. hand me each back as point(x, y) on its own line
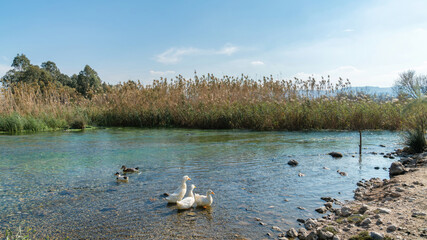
point(19, 235)
point(204, 102)
point(364, 235)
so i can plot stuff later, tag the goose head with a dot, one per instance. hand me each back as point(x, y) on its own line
point(185, 178)
point(210, 192)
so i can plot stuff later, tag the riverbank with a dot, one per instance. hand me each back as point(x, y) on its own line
point(382, 209)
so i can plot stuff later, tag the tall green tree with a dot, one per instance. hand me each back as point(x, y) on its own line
point(21, 62)
point(88, 81)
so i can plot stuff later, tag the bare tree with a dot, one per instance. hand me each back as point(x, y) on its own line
point(411, 85)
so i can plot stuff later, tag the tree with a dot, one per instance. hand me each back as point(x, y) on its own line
point(411, 85)
point(21, 62)
point(88, 80)
point(51, 67)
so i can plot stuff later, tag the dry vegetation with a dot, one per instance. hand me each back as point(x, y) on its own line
point(204, 102)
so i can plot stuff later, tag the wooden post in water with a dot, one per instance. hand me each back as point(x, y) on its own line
point(360, 142)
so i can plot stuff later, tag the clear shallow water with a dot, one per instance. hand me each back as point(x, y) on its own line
point(61, 184)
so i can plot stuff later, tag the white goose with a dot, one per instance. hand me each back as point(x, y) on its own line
point(180, 192)
point(187, 202)
point(204, 201)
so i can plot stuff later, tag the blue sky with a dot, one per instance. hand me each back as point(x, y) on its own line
point(369, 42)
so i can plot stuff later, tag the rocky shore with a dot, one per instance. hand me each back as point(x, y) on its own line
point(382, 209)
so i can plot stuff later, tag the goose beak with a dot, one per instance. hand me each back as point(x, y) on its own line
point(213, 193)
point(189, 178)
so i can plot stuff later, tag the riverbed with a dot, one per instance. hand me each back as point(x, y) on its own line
point(62, 184)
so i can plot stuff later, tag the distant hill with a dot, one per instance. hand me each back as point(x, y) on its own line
point(374, 90)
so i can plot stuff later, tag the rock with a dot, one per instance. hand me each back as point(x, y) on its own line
point(258, 219)
point(325, 168)
point(384, 210)
point(292, 233)
point(376, 236)
point(302, 234)
point(335, 154)
point(293, 163)
point(324, 235)
point(312, 236)
point(276, 228)
point(327, 199)
point(321, 210)
point(363, 209)
point(418, 214)
point(328, 205)
point(283, 238)
point(262, 224)
point(301, 208)
point(346, 211)
point(310, 224)
point(379, 221)
point(391, 228)
point(366, 222)
point(381, 145)
point(395, 194)
point(301, 174)
point(376, 168)
point(396, 168)
point(300, 220)
point(341, 173)
point(336, 238)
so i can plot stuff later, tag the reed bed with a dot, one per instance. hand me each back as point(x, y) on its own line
point(204, 102)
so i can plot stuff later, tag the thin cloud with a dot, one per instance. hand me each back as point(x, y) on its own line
point(257, 63)
point(4, 69)
point(349, 30)
point(160, 73)
point(175, 55)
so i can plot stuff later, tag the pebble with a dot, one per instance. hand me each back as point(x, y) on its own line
point(418, 214)
point(376, 236)
point(366, 222)
point(276, 228)
point(391, 228)
point(384, 210)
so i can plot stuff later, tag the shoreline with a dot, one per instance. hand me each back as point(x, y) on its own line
point(381, 209)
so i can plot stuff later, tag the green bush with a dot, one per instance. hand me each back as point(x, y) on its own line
point(415, 140)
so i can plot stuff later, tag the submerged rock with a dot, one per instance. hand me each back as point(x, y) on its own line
point(335, 154)
point(293, 163)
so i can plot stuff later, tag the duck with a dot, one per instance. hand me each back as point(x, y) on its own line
point(187, 202)
point(342, 173)
point(120, 178)
point(180, 192)
point(129, 170)
point(204, 201)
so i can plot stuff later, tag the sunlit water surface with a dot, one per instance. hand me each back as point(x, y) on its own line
point(61, 184)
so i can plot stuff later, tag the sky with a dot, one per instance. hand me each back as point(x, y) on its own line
point(368, 42)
